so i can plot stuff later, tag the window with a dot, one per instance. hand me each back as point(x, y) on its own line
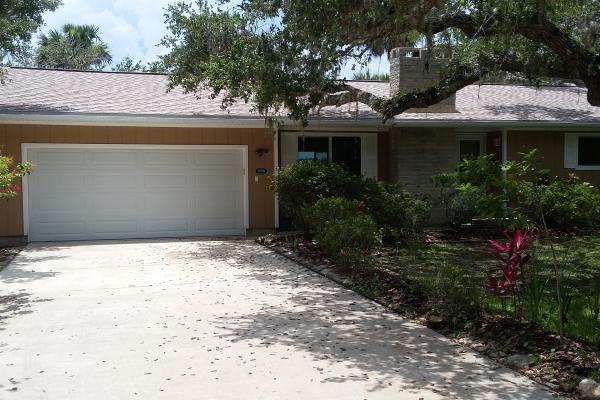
point(470, 145)
point(313, 148)
point(345, 150)
point(588, 151)
point(582, 151)
point(470, 149)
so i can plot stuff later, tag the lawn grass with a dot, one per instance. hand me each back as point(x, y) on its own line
point(458, 273)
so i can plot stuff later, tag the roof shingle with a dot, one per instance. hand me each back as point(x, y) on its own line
point(100, 93)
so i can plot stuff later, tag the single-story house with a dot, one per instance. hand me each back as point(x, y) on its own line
point(117, 156)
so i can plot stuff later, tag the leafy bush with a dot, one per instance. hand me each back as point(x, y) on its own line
point(570, 202)
point(398, 212)
point(518, 193)
point(302, 184)
point(9, 175)
point(341, 227)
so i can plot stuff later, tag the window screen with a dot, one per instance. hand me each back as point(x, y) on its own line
point(313, 148)
point(589, 151)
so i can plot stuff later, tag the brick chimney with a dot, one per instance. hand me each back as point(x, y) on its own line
point(411, 68)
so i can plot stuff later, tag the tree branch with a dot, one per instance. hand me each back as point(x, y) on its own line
point(457, 76)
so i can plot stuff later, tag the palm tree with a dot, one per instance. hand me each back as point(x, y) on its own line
point(73, 47)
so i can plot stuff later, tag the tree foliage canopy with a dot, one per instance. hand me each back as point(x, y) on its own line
point(128, 65)
point(72, 47)
point(19, 20)
point(290, 53)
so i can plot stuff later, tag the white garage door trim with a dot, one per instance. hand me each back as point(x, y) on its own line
point(26, 146)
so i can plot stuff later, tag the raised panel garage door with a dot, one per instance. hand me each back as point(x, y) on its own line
point(81, 193)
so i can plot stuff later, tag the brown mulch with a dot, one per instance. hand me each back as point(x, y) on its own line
point(559, 364)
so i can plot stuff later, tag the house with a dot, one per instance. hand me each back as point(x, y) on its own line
point(116, 156)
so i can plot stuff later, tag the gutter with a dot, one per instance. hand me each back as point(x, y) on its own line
point(155, 120)
point(178, 121)
point(512, 124)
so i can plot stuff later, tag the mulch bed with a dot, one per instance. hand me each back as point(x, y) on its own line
point(558, 364)
point(7, 254)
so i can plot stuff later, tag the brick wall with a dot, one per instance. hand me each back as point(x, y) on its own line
point(417, 154)
point(412, 69)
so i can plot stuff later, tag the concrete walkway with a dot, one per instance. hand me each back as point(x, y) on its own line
point(201, 319)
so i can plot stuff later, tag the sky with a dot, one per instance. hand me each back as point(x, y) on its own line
point(134, 27)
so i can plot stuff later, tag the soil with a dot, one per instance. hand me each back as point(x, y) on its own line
point(7, 254)
point(558, 363)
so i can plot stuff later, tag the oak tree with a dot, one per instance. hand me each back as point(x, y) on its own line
point(288, 53)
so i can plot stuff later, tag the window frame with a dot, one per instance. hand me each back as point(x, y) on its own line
point(479, 136)
point(571, 157)
point(369, 157)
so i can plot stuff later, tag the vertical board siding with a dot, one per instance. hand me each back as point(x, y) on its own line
point(550, 146)
point(383, 156)
point(261, 199)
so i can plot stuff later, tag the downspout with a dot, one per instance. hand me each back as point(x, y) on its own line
point(275, 167)
point(504, 155)
point(504, 146)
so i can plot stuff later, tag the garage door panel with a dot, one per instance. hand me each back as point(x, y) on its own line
point(54, 203)
point(167, 225)
point(216, 158)
point(165, 158)
point(58, 229)
point(110, 203)
point(218, 182)
point(166, 181)
point(217, 202)
point(51, 183)
point(173, 203)
point(216, 224)
point(114, 226)
point(106, 159)
point(57, 158)
point(103, 193)
point(114, 182)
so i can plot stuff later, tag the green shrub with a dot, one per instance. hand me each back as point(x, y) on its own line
point(570, 202)
point(519, 193)
point(302, 184)
point(398, 212)
point(341, 227)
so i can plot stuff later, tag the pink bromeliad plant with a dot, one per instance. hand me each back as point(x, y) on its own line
point(512, 255)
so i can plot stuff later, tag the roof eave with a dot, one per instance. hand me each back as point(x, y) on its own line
point(175, 121)
point(512, 124)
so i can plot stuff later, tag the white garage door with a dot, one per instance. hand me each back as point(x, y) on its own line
point(98, 192)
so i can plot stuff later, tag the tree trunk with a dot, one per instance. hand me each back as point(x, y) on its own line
point(593, 87)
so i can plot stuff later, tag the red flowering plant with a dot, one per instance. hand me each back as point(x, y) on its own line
point(9, 174)
point(511, 256)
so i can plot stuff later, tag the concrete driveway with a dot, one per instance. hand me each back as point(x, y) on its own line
point(204, 319)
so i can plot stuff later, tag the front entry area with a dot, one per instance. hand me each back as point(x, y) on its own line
point(83, 192)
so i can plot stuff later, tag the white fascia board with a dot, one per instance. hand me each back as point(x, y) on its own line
point(324, 124)
point(119, 120)
point(171, 121)
point(448, 123)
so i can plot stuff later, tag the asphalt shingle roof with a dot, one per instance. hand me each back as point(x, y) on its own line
point(96, 93)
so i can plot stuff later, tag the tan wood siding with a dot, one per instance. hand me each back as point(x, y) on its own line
point(262, 201)
point(551, 148)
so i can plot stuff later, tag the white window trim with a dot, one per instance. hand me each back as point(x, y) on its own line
point(481, 136)
point(26, 146)
point(571, 146)
point(331, 134)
